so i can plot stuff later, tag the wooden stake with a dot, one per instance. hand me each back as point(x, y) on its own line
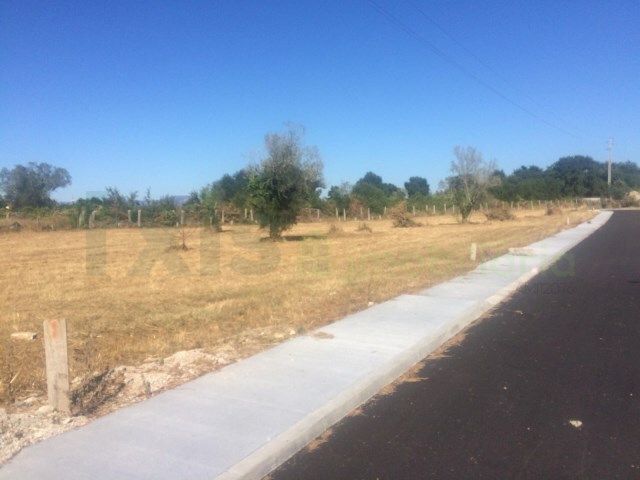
point(55, 349)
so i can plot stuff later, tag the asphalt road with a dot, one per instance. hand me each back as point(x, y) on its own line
point(547, 386)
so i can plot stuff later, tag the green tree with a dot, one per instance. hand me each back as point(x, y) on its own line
point(581, 176)
point(376, 194)
point(232, 189)
point(32, 185)
point(340, 196)
point(528, 183)
point(417, 186)
point(472, 178)
point(285, 181)
point(418, 192)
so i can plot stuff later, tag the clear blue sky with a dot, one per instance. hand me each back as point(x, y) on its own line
point(173, 94)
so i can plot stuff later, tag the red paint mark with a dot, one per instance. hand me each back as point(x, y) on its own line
point(54, 326)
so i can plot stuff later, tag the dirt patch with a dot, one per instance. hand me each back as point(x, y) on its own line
point(97, 394)
point(319, 441)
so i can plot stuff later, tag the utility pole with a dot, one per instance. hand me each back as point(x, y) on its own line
point(609, 147)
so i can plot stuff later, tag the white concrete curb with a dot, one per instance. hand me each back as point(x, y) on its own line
point(280, 449)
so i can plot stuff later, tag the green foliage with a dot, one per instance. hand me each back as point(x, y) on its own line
point(581, 176)
point(231, 189)
point(32, 185)
point(375, 194)
point(418, 192)
point(340, 196)
point(528, 183)
point(628, 173)
point(417, 186)
point(285, 181)
point(575, 176)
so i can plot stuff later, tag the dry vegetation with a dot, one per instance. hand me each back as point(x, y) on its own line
point(127, 295)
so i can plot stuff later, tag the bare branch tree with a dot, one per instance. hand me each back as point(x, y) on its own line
point(472, 178)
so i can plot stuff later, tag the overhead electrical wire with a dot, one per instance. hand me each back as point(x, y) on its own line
point(393, 19)
point(470, 52)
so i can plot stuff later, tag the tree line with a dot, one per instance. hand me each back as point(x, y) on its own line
point(290, 179)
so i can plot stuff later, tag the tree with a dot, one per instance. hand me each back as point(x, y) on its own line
point(528, 183)
point(417, 186)
point(284, 182)
point(232, 189)
point(375, 194)
point(340, 195)
point(581, 176)
point(418, 192)
point(472, 178)
point(31, 186)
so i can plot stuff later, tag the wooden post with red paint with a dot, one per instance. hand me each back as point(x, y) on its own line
point(55, 349)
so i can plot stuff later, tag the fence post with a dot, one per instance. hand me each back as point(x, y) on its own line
point(129, 215)
point(414, 210)
point(344, 214)
point(55, 349)
point(369, 214)
point(445, 208)
point(474, 251)
point(139, 218)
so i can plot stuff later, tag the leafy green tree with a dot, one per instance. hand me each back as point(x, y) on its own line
point(417, 186)
point(418, 192)
point(232, 189)
point(628, 172)
point(340, 196)
point(285, 181)
point(472, 178)
point(376, 194)
point(581, 176)
point(32, 185)
point(528, 183)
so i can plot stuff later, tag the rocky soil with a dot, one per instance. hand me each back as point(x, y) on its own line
point(32, 420)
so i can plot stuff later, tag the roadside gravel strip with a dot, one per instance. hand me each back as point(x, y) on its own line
point(248, 418)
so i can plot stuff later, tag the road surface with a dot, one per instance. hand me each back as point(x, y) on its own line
point(545, 386)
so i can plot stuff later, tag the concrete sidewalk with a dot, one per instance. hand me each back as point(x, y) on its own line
point(246, 419)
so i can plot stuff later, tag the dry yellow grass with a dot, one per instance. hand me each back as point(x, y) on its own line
point(128, 296)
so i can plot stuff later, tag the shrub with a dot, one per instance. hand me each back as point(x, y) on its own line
point(500, 213)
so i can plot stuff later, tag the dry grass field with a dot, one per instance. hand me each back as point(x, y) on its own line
point(130, 294)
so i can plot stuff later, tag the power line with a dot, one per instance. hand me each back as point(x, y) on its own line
point(471, 53)
point(391, 18)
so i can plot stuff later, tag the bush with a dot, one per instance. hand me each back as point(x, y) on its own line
point(553, 210)
point(500, 213)
point(401, 218)
point(631, 199)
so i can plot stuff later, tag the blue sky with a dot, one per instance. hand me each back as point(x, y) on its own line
point(173, 94)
